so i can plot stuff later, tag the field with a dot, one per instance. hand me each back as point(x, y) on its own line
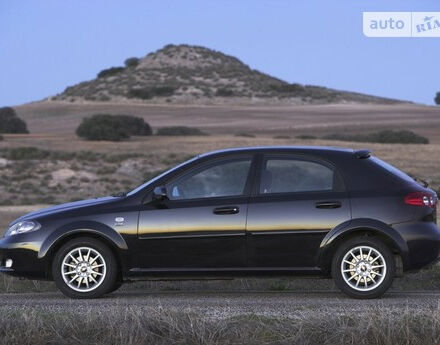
point(60, 167)
point(64, 117)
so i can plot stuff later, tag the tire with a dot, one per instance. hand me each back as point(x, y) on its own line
point(116, 286)
point(370, 277)
point(84, 268)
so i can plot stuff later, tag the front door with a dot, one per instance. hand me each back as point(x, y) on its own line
point(201, 223)
point(296, 202)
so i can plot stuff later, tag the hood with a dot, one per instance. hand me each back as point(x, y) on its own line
point(66, 207)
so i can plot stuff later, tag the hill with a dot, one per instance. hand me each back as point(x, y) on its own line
point(198, 75)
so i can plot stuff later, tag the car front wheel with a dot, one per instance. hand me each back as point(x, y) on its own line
point(363, 267)
point(84, 268)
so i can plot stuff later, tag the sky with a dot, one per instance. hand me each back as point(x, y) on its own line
point(48, 45)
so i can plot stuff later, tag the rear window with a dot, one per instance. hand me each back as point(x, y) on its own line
point(392, 170)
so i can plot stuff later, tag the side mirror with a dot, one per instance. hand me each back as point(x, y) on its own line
point(160, 193)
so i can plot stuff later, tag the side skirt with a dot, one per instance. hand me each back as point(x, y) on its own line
point(222, 273)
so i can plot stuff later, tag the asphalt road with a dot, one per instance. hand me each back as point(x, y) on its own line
point(227, 304)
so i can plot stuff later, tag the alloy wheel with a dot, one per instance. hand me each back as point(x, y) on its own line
point(363, 268)
point(83, 269)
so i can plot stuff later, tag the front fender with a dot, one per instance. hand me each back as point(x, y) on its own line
point(327, 246)
point(81, 227)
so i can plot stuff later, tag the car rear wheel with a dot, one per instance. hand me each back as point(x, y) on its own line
point(363, 267)
point(84, 268)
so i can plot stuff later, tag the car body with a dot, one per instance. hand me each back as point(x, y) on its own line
point(238, 212)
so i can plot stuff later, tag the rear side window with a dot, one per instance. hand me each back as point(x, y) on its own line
point(290, 175)
point(392, 170)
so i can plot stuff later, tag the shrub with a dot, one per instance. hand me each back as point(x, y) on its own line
point(102, 127)
point(131, 62)
point(163, 91)
point(383, 137)
point(134, 125)
point(140, 93)
point(437, 98)
point(288, 88)
point(112, 127)
point(305, 136)
point(150, 92)
point(224, 92)
point(179, 130)
point(10, 123)
point(109, 72)
point(21, 153)
point(246, 135)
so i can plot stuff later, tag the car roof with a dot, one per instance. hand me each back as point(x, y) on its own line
point(292, 149)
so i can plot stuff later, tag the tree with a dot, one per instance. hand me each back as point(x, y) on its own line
point(10, 122)
point(437, 98)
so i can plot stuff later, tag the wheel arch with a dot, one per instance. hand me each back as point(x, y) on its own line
point(94, 230)
point(361, 227)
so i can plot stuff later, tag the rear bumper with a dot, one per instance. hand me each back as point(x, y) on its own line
point(423, 241)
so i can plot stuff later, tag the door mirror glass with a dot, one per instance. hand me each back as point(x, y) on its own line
point(160, 193)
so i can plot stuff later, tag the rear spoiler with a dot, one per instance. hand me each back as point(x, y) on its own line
point(362, 154)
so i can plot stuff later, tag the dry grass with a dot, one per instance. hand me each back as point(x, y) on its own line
point(63, 118)
point(143, 325)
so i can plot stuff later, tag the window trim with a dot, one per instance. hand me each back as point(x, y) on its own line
point(299, 157)
point(206, 164)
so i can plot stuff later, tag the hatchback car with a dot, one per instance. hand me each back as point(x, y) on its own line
point(271, 211)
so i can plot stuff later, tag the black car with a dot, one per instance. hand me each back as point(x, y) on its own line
point(274, 211)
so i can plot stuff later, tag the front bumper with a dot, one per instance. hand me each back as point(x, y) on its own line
point(24, 256)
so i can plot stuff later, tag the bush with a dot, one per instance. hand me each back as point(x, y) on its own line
point(109, 72)
point(131, 62)
point(134, 125)
point(383, 137)
point(10, 123)
point(244, 134)
point(437, 98)
point(112, 127)
point(150, 92)
point(223, 92)
point(289, 88)
point(102, 127)
point(179, 130)
point(305, 136)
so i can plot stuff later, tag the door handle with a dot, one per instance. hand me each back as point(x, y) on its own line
point(328, 204)
point(226, 210)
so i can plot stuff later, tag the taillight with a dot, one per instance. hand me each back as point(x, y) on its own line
point(421, 199)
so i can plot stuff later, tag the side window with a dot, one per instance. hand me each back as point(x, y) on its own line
point(289, 175)
point(223, 178)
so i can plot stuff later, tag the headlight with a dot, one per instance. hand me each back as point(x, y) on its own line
point(21, 227)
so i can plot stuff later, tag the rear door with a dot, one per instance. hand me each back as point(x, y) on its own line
point(296, 201)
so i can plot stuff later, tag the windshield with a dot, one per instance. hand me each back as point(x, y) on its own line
point(154, 179)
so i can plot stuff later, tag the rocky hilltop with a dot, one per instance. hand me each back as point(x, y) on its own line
point(193, 74)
